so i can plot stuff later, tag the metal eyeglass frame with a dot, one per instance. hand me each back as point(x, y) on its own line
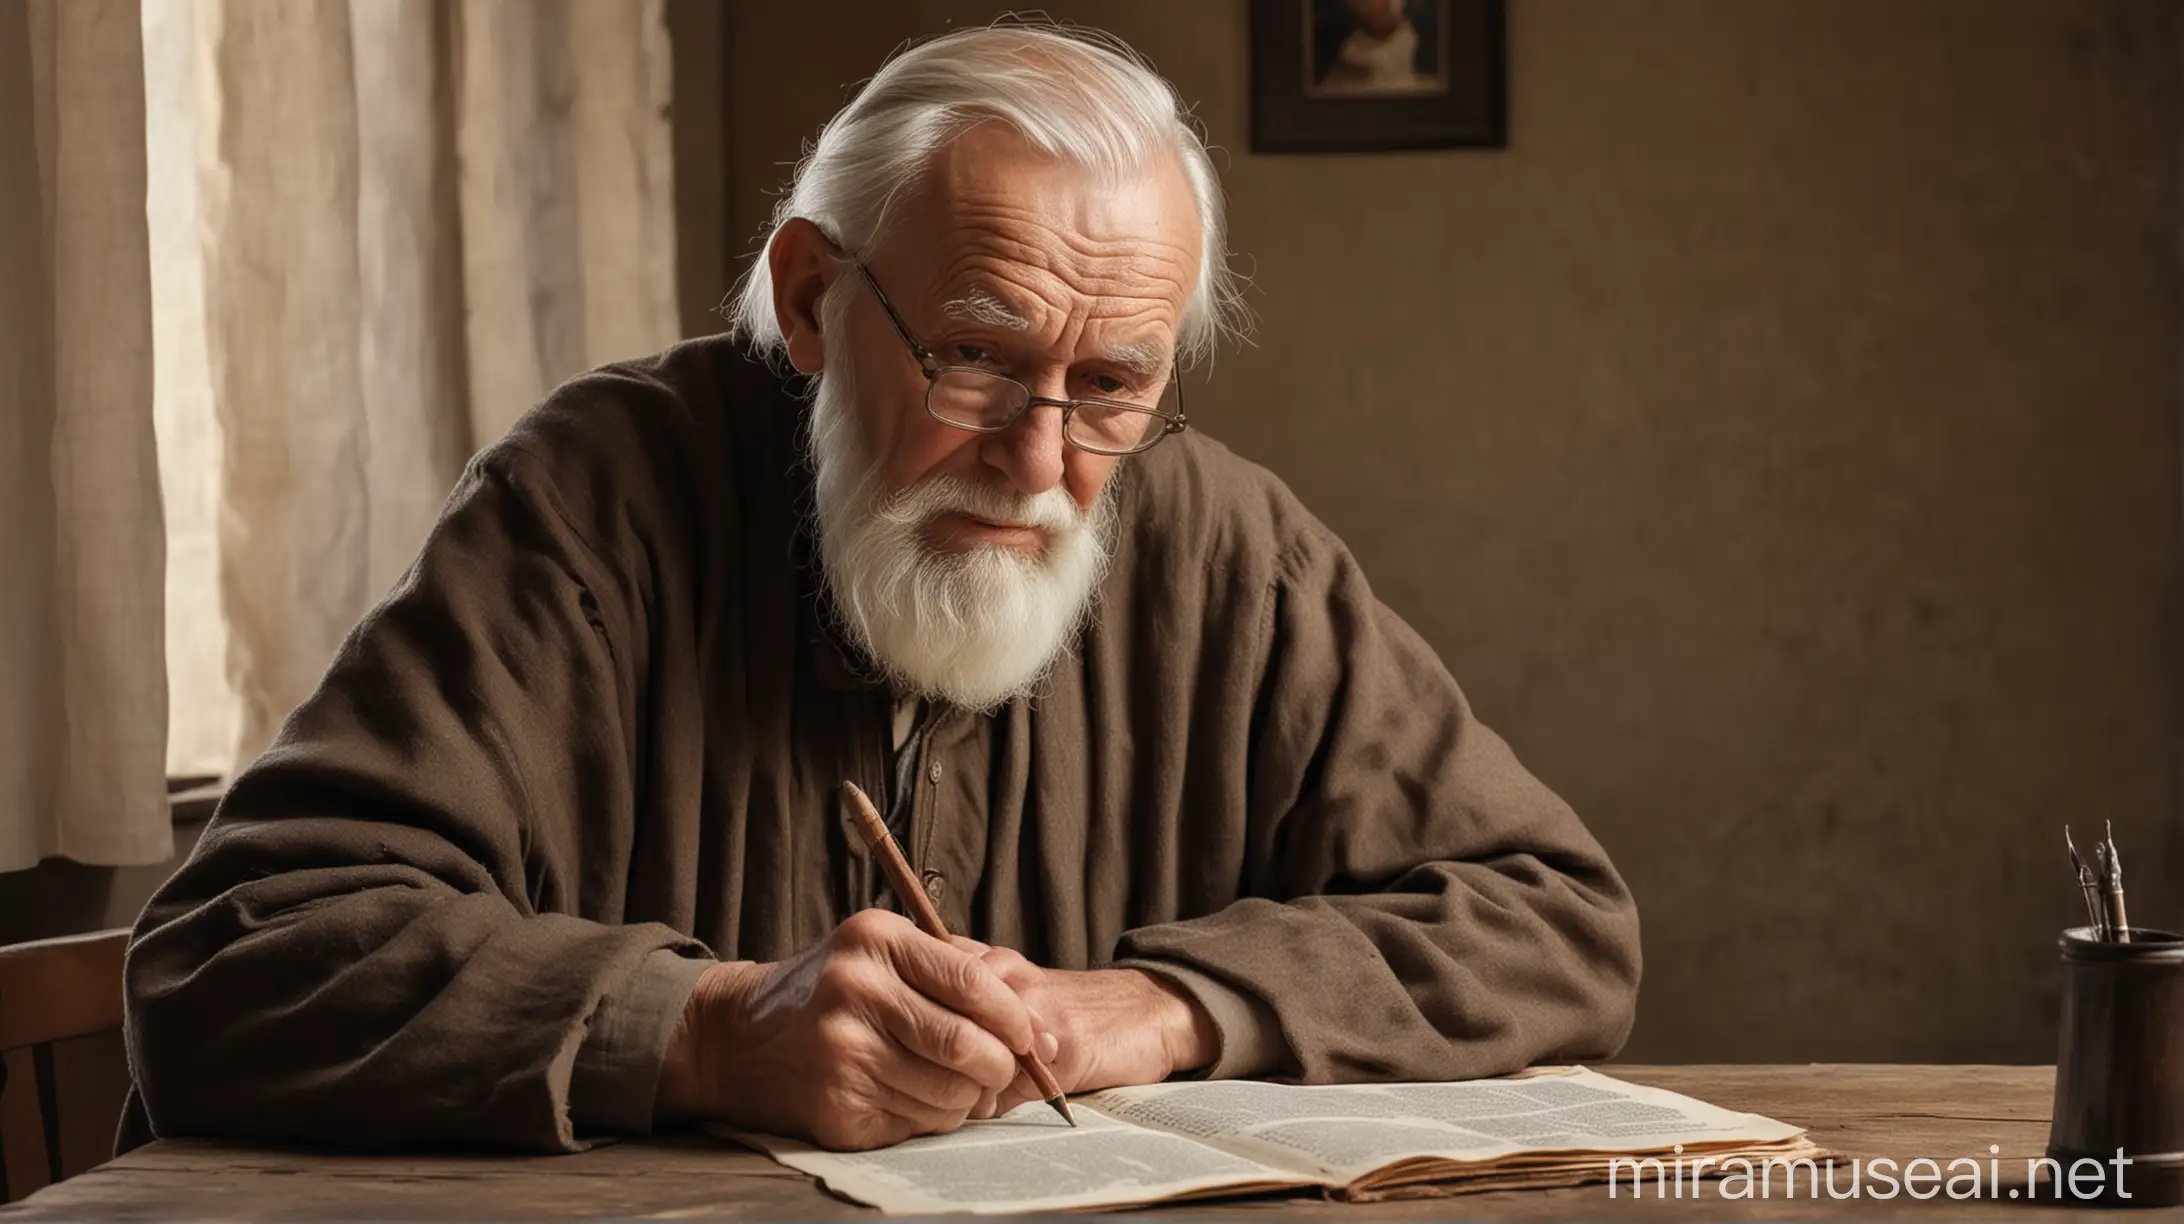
point(933, 369)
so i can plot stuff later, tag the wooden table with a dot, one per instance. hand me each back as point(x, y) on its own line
point(1866, 1111)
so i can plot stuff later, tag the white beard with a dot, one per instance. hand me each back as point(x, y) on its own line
point(977, 628)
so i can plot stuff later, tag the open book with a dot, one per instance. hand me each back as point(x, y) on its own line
point(1168, 1142)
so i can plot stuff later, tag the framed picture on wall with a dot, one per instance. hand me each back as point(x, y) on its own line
point(1365, 75)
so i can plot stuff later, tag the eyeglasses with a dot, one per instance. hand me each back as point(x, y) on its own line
point(985, 402)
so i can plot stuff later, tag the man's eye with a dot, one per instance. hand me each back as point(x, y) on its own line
point(1109, 385)
point(971, 354)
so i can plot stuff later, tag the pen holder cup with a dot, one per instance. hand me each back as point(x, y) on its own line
point(2119, 1074)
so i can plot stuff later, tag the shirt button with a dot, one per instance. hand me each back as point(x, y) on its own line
point(932, 774)
point(936, 887)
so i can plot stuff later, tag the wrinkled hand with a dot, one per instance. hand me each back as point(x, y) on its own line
point(876, 1034)
point(1114, 1026)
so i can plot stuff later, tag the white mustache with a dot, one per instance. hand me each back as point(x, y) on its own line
point(939, 494)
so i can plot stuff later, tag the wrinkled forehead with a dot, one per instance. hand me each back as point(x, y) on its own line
point(1000, 228)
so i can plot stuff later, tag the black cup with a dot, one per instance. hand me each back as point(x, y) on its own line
point(2119, 1076)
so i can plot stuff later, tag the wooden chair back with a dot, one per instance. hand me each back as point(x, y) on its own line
point(63, 1073)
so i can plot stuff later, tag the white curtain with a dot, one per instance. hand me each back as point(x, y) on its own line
point(366, 235)
point(414, 219)
point(83, 685)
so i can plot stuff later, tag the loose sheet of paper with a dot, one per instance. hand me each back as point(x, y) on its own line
point(1027, 1160)
point(1342, 1133)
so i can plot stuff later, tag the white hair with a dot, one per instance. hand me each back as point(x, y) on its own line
point(1071, 92)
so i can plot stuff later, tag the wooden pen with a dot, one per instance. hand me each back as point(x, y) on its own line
point(2119, 922)
point(905, 884)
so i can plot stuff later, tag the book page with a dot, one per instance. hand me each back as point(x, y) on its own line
point(1342, 1133)
point(1027, 1160)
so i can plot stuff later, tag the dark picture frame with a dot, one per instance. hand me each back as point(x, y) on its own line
point(1376, 75)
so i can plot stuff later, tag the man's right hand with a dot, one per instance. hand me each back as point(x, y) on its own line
point(877, 1033)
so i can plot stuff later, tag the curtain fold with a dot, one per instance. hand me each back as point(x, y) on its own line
point(567, 192)
point(409, 238)
point(366, 236)
point(418, 217)
point(201, 726)
point(83, 686)
point(277, 177)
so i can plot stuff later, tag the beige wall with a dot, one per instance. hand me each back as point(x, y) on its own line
point(1779, 440)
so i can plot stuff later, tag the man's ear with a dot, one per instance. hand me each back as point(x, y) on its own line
point(802, 261)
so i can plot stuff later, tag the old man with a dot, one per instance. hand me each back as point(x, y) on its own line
point(556, 850)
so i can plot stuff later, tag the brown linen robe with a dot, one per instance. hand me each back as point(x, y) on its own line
point(595, 736)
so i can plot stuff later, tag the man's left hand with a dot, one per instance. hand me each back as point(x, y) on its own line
point(1116, 1026)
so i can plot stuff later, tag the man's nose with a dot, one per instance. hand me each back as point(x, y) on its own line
point(1029, 451)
